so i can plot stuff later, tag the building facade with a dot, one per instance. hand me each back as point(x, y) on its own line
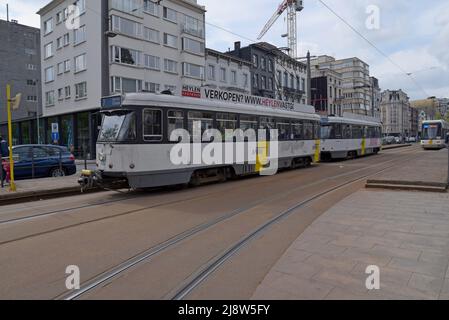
point(227, 72)
point(20, 68)
point(262, 68)
point(327, 90)
point(396, 114)
point(376, 95)
point(115, 46)
point(356, 82)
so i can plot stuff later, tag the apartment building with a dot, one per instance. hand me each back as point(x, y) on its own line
point(356, 83)
point(262, 68)
point(376, 95)
point(327, 89)
point(20, 68)
point(104, 47)
point(396, 114)
point(274, 74)
point(227, 72)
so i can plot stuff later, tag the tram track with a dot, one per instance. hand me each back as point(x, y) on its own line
point(128, 198)
point(153, 206)
point(206, 270)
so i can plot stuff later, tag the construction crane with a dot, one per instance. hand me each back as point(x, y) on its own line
point(292, 7)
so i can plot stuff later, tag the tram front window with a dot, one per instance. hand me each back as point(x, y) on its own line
point(118, 126)
point(431, 131)
point(327, 132)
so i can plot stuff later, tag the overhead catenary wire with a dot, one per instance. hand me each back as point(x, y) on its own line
point(375, 47)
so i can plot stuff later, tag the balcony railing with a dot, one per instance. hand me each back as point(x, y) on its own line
point(194, 32)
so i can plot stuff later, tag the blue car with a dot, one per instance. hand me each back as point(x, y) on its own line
point(44, 160)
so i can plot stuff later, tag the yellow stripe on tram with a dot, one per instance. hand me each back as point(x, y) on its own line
point(262, 155)
point(317, 157)
point(363, 146)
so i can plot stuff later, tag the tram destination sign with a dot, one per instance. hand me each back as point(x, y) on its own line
point(111, 102)
point(235, 97)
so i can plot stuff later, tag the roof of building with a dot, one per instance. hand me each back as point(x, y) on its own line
point(227, 56)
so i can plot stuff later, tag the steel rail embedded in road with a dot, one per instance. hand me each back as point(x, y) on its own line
point(212, 266)
point(159, 248)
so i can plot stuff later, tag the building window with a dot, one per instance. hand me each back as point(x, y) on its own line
point(124, 85)
point(270, 65)
point(303, 84)
point(292, 81)
point(81, 90)
point(211, 72)
point(79, 35)
point(193, 27)
point(255, 61)
point(170, 15)
point(149, 6)
point(49, 98)
point(152, 62)
point(270, 84)
point(170, 66)
point(60, 68)
point(67, 66)
point(126, 56)
point(285, 80)
point(66, 39)
point(193, 46)
point(31, 82)
point(255, 81)
point(32, 98)
point(48, 26)
point(245, 80)
point(59, 17)
point(152, 87)
point(81, 5)
point(48, 49)
point(59, 43)
point(126, 27)
point(193, 70)
point(170, 40)
point(222, 74)
point(233, 77)
point(298, 83)
point(263, 82)
point(128, 6)
point(80, 63)
point(61, 94)
point(67, 92)
point(50, 74)
point(152, 35)
point(263, 63)
point(65, 14)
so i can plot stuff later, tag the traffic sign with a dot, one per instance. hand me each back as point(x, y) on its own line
point(55, 136)
point(54, 128)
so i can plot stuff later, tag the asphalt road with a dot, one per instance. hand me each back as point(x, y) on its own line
point(177, 234)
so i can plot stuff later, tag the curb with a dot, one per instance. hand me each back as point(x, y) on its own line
point(407, 185)
point(15, 198)
point(396, 147)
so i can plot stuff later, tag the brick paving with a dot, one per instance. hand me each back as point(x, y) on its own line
point(405, 234)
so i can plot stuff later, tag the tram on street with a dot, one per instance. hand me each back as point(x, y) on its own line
point(343, 138)
point(135, 144)
point(435, 134)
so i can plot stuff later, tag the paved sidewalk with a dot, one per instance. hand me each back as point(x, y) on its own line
point(405, 234)
point(427, 172)
point(40, 187)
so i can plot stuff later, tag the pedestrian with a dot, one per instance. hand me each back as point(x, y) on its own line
point(4, 154)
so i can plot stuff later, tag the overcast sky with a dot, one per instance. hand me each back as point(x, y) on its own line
point(414, 34)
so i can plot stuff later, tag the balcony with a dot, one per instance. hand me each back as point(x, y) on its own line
point(192, 31)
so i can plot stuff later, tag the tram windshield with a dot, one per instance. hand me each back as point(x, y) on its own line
point(327, 132)
point(431, 131)
point(118, 126)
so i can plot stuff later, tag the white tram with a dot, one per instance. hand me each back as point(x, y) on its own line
point(134, 146)
point(435, 134)
point(343, 138)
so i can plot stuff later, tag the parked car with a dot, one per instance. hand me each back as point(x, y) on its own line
point(410, 139)
point(398, 140)
point(388, 140)
point(43, 161)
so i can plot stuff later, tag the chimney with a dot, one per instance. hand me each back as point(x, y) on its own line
point(237, 46)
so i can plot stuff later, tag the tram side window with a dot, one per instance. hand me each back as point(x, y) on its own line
point(284, 129)
point(206, 119)
point(226, 121)
point(357, 132)
point(347, 131)
point(152, 125)
point(248, 122)
point(308, 130)
point(337, 130)
point(175, 121)
point(297, 130)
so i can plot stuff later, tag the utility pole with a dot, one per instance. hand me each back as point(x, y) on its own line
point(11, 160)
point(309, 80)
